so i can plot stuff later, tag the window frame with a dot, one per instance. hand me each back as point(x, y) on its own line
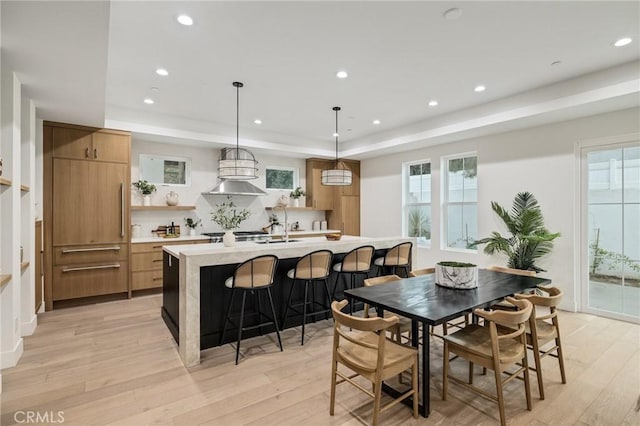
point(445, 203)
point(293, 170)
point(406, 205)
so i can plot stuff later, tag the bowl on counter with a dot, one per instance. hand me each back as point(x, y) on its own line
point(333, 237)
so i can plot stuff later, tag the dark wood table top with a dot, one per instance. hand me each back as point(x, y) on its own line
point(421, 299)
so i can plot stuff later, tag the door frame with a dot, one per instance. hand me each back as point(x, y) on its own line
point(581, 233)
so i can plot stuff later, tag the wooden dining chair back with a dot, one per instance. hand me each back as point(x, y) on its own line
point(544, 328)
point(492, 350)
point(514, 271)
point(396, 258)
point(423, 271)
point(369, 354)
point(404, 324)
point(311, 269)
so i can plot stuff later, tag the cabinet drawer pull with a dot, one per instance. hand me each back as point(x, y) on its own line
point(157, 260)
point(113, 248)
point(157, 279)
point(95, 152)
point(89, 268)
point(157, 246)
point(86, 153)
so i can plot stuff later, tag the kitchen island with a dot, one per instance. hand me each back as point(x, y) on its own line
point(194, 294)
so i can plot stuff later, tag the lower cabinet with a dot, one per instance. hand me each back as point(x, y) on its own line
point(146, 263)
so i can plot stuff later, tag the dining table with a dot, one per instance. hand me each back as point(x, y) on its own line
point(426, 303)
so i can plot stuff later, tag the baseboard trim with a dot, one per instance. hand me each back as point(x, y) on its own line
point(10, 358)
point(29, 327)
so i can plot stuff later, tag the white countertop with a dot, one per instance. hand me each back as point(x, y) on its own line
point(161, 240)
point(294, 233)
point(218, 254)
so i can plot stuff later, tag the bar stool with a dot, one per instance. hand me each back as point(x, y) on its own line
point(357, 261)
point(253, 276)
point(312, 268)
point(396, 257)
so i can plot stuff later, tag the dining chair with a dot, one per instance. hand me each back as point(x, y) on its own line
point(397, 257)
point(525, 273)
point(254, 276)
point(404, 324)
point(313, 268)
point(540, 331)
point(499, 352)
point(369, 354)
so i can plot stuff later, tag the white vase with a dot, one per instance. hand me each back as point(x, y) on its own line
point(192, 232)
point(146, 200)
point(228, 239)
point(296, 202)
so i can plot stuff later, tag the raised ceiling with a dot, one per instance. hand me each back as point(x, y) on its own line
point(95, 63)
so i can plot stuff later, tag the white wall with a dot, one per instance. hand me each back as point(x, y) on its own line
point(540, 160)
point(204, 165)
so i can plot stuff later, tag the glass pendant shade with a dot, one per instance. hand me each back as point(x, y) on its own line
point(340, 175)
point(237, 163)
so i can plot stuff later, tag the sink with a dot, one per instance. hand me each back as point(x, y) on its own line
point(276, 242)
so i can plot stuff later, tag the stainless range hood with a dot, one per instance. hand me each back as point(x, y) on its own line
point(235, 187)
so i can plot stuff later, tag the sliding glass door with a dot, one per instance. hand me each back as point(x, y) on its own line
point(611, 201)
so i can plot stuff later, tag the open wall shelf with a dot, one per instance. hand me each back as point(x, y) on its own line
point(5, 181)
point(162, 208)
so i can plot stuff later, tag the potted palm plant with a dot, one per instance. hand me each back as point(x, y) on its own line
point(229, 218)
point(145, 189)
point(529, 238)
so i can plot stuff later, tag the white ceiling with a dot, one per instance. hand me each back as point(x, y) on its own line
point(94, 62)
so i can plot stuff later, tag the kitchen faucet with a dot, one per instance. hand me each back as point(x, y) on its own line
point(286, 220)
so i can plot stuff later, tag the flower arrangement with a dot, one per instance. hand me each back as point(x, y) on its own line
point(273, 219)
point(144, 187)
point(227, 215)
point(297, 193)
point(191, 223)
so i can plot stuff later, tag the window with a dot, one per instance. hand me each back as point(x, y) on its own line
point(166, 171)
point(281, 178)
point(417, 201)
point(460, 210)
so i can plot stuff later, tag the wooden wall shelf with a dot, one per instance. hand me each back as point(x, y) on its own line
point(4, 279)
point(24, 265)
point(162, 208)
point(5, 181)
point(24, 188)
point(302, 209)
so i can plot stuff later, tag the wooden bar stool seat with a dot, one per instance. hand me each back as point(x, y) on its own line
point(254, 276)
point(310, 269)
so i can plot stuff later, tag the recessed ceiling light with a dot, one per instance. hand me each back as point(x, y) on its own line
point(376, 121)
point(335, 135)
point(148, 101)
point(622, 42)
point(163, 72)
point(480, 88)
point(452, 14)
point(342, 74)
point(185, 20)
point(257, 121)
point(433, 103)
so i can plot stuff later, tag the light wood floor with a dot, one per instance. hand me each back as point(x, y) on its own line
point(116, 363)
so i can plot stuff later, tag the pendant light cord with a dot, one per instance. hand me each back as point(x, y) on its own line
point(336, 109)
point(237, 121)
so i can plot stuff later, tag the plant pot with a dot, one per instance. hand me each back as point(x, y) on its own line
point(229, 239)
point(296, 202)
point(146, 200)
point(192, 232)
point(462, 276)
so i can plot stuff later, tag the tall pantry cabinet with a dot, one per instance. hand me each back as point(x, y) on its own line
point(87, 175)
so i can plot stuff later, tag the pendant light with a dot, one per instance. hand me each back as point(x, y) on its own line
point(340, 175)
point(237, 163)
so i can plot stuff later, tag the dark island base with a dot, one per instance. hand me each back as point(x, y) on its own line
point(214, 299)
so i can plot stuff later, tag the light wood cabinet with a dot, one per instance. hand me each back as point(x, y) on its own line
point(146, 263)
point(86, 144)
point(354, 188)
point(86, 211)
point(319, 196)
